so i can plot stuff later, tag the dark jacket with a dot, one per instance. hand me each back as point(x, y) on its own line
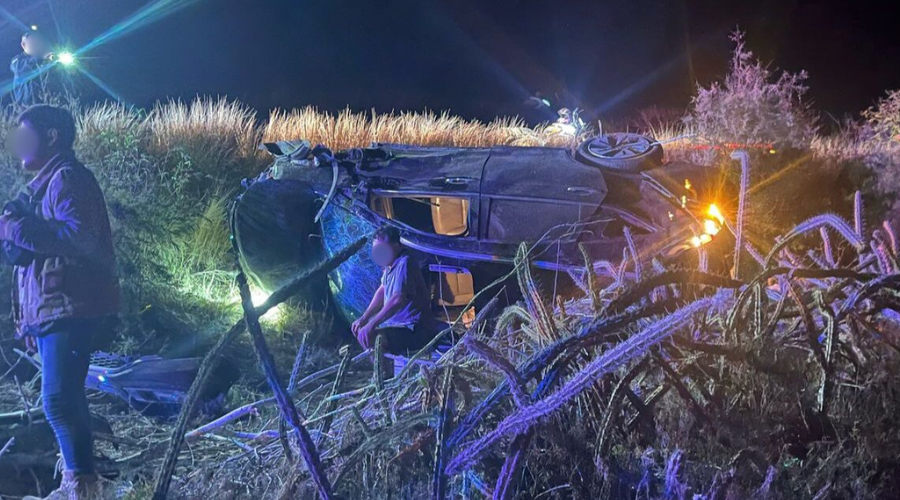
point(73, 274)
point(29, 78)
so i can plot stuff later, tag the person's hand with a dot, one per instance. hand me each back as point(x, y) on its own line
point(30, 344)
point(356, 325)
point(5, 226)
point(366, 336)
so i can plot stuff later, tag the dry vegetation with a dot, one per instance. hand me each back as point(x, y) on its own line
point(654, 383)
point(352, 130)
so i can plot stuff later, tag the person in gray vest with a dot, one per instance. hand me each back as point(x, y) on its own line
point(401, 307)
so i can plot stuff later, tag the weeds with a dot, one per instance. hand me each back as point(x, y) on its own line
point(747, 107)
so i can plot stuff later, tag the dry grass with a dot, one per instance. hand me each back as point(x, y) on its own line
point(203, 124)
point(352, 130)
point(109, 120)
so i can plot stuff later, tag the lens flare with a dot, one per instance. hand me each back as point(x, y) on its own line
point(715, 213)
point(66, 58)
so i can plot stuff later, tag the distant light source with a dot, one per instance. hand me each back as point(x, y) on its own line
point(66, 58)
point(34, 27)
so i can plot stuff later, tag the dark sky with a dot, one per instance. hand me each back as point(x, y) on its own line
point(477, 58)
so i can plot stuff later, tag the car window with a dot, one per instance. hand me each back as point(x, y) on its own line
point(444, 215)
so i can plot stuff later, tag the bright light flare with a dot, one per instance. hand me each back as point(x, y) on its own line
point(715, 213)
point(259, 297)
point(711, 227)
point(66, 58)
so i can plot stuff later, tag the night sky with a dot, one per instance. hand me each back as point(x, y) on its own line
point(477, 58)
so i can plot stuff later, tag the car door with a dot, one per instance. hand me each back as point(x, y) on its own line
point(528, 194)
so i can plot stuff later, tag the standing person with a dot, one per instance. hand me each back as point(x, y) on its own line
point(67, 292)
point(30, 68)
point(401, 307)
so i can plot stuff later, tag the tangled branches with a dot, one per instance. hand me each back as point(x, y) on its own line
point(772, 364)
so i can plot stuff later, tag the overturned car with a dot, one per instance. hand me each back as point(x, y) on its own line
point(465, 211)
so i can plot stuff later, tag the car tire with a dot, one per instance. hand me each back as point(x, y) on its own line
point(621, 152)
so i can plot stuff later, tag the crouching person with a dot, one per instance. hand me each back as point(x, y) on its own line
point(68, 294)
point(401, 307)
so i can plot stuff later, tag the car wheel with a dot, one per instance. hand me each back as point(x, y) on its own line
point(621, 151)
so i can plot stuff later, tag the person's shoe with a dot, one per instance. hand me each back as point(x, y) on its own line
point(85, 487)
point(74, 487)
point(61, 493)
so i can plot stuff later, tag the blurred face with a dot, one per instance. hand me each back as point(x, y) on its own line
point(384, 252)
point(26, 144)
point(35, 45)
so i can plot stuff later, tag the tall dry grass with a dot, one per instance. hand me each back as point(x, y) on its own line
point(349, 129)
point(205, 125)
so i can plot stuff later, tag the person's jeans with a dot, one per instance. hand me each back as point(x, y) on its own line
point(405, 341)
point(65, 356)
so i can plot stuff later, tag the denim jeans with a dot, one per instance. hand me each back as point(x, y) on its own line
point(65, 349)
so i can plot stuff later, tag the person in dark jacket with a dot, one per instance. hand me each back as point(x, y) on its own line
point(30, 70)
point(67, 292)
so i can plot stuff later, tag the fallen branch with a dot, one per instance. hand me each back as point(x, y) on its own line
point(439, 479)
point(235, 414)
point(285, 403)
point(7, 446)
point(211, 360)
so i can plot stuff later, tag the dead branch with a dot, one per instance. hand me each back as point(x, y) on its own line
point(210, 361)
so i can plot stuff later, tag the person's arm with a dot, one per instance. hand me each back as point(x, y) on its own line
point(374, 306)
point(69, 233)
point(392, 306)
point(23, 66)
point(396, 302)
